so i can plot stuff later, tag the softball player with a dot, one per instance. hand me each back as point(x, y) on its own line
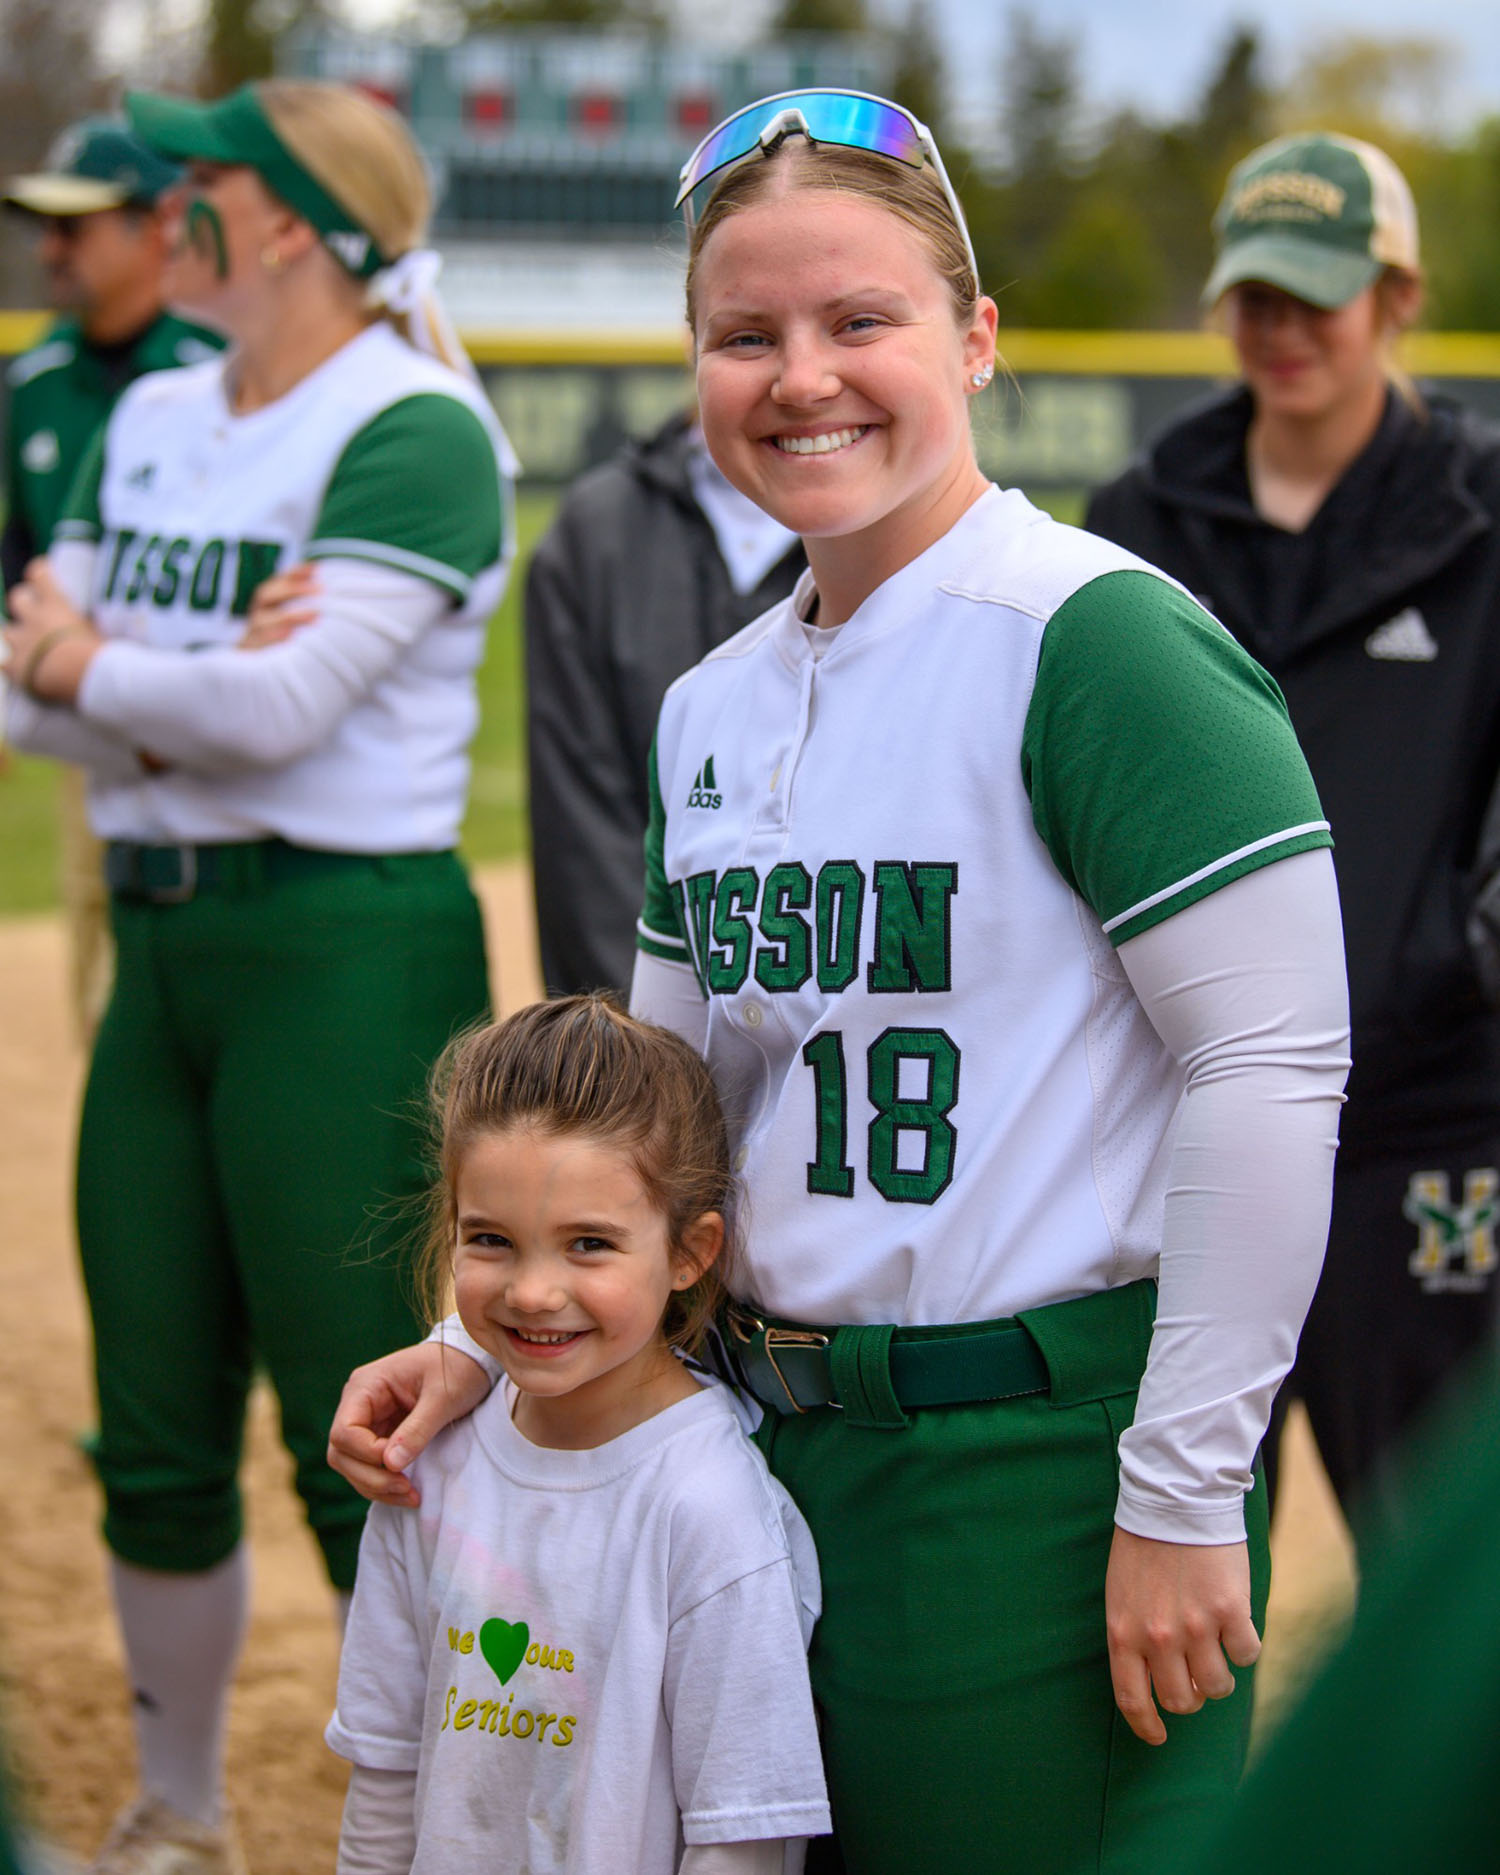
point(988, 874)
point(296, 935)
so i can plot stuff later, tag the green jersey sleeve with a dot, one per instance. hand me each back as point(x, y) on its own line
point(1158, 755)
point(417, 489)
point(659, 932)
point(79, 519)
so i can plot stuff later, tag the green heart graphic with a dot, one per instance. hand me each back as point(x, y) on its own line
point(503, 1646)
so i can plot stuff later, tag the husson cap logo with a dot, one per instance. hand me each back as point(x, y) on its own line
point(1287, 195)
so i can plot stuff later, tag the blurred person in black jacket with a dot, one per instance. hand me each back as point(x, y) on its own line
point(1345, 532)
point(651, 561)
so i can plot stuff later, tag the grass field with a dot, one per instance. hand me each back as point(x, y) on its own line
point(496, 823)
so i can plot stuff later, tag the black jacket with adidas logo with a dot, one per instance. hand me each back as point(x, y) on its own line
point(1381, 622)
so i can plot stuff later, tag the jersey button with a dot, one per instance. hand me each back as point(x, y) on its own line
point(754, 1015)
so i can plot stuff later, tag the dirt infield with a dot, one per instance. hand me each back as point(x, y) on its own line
point(64, 1698)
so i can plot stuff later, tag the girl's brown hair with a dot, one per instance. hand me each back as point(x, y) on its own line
point(914, 196)
point(582, 1065)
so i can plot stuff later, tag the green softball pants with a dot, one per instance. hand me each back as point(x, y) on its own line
point(960, 1665)
point(252, 1158)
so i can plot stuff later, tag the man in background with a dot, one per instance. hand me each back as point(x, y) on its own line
point(104, 240)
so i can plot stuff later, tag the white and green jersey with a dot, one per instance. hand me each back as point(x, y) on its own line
point(381, 456)
point(899, 869)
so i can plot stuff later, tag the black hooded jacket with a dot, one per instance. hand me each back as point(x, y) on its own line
point(1381, 622)
point(626, 590)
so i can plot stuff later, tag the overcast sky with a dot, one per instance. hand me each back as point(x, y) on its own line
point(1156, 54)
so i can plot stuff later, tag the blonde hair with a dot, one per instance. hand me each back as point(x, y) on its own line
point(914, 196)
point(360, 152)
point(1389, 283)
point(581, 1065)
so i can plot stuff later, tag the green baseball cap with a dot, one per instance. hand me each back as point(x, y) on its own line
point(237, 130)
point(1317, 215)
point(93, 165)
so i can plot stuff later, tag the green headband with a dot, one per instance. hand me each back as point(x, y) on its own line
point(236, 130)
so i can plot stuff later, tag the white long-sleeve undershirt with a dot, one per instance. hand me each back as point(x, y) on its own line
point(224, 710)
point(1246, 988)
point(53, 729)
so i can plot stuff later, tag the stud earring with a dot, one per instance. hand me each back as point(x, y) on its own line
point(271, 260)
point(982, 376)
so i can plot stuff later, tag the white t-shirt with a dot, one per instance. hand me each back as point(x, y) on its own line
point(590, 1658)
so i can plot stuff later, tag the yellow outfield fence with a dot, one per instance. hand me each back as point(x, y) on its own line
point(1087, 400)
point(1199, 354)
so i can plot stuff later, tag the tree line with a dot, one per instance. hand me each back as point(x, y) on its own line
point(1078, 220)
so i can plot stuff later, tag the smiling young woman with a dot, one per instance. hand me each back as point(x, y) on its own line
point(972, 930)
point(1347, 531)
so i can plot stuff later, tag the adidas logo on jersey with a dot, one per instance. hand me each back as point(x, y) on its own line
point(1404, 638)
point(705, 789)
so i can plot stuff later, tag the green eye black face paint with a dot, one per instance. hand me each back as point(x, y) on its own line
point(204, 231)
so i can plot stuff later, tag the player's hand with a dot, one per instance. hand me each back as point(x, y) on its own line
point(278, 606)
point(49, 642)
point(391, 1408)
point(1173, 1612)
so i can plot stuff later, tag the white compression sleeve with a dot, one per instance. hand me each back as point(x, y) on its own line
point(46, 729)
point(50, 729)
point(668, 994)
point(379, 1831)
point(1247, 990)
point(222, 710)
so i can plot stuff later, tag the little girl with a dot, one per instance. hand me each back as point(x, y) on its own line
point(588, 1648)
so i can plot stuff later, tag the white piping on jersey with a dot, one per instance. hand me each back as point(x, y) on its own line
point(1207, 872)
point(87, 531)
point(438, 571)
point(991, 597)
point(668, 941)
point(49, 357)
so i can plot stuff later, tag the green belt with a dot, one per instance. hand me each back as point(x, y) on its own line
point(875, 1374)
point(171, 875)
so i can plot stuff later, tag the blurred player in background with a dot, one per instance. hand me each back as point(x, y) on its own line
point(1344, 529)
point(296, 935)
point(102, 241)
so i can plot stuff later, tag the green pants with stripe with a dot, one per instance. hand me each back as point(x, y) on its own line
point(252, 1160)
point(961, 1666)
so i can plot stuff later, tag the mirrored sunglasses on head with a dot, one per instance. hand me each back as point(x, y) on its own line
point(853, 120)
